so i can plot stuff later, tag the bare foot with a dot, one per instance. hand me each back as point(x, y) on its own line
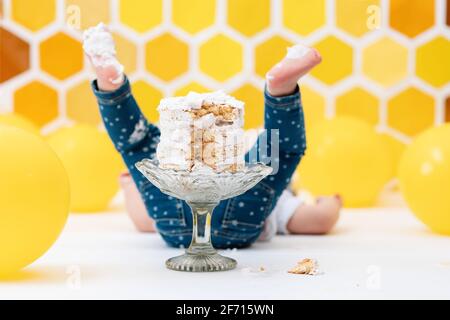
point(100, 48)
point(282, 78)
point(319, 218)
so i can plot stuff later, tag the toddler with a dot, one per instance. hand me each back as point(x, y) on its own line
point(261, 212)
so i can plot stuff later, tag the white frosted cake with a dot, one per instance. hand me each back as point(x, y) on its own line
point(201, 131)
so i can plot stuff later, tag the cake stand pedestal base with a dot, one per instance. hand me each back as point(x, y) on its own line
point(201, 263)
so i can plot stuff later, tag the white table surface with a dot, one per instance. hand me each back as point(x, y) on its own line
point(376, 253)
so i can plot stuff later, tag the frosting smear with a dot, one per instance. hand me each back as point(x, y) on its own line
point(298, 51)
point(98, 43)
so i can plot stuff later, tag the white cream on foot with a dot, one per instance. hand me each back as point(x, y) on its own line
point(98, 44)
point(293, 53)
point(298, 51)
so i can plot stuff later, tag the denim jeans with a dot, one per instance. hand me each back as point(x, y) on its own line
point(237, 222)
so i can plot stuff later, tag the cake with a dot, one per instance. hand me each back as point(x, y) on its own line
point(201, 131)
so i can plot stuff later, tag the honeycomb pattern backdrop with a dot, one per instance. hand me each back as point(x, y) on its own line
point(387, 62)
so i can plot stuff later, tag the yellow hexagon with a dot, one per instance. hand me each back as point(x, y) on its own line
point(61, 56)
point(81, 105)
point(12, 61)
point(33, 15)
point(411, 112)
point(448, 13)
point(250, 16)
point(433, 62)
point(357, 17)
point(167, 57)
point(126, 53)
point(91, 12)
point(193, 15)
point(304, 17)
point(269, 53)
point(411, 17)
point(314, 106)
point(221, 57)
point(37, 102)
point(385, 61)
point(193, 86)
point(148, 98)
point(141, 15)
point(359, 103)
point(254, 105)
point(337, 61)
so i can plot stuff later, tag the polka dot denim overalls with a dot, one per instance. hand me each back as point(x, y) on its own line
point(236, 222)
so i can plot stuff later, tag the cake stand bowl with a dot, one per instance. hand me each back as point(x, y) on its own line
point(202, 190)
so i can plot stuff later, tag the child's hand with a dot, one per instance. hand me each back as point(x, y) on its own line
point(282, 78)
point(99, 46)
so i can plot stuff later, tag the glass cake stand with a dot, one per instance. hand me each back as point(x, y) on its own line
point(202, 191)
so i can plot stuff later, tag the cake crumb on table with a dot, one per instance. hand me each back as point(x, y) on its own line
point(254, 271)
point(305, 266)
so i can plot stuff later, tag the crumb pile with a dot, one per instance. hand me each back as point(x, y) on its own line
point(306, 266)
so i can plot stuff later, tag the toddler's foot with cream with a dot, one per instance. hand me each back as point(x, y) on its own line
point(99, 46)
point(282, 78)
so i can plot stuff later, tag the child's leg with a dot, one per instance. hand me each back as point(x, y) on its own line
point(238, 222)
point(134, 138)
point(322, 216)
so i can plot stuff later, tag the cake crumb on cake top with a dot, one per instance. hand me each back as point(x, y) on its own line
point(195, 100)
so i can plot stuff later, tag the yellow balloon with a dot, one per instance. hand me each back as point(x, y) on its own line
point(424, 175)
point(92, 163)
point(34, 198)
point(345, 156)
point(18, 121)
point(396, 149)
